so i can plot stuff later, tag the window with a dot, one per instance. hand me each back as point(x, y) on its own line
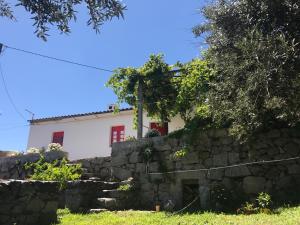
point(117, 134)
point(161, 128)
point(58, 137)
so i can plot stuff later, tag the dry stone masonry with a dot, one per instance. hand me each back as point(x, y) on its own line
point(98, 166)
point(210, 149)
point(13, 167)
point(28, 202)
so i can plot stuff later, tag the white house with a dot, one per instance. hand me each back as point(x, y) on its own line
point(91, 134)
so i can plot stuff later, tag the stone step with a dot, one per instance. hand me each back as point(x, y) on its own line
point(108, 185)
point(86, 176)
point(97, 210)
point(115, 193)
point(107, 203)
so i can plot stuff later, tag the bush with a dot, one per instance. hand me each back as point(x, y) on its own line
point(152, 133)
point(56, 171)
point(262, 205)
point(264, 200)
point(180, 153)
point(130, 138)
point(125, 187)
point(54, 147)
point(33, 150)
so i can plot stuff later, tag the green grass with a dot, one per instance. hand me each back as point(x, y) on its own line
point(287, 216)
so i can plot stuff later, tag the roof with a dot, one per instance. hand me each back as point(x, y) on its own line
point(75, 115)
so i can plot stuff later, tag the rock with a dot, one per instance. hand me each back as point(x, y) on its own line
point(50, 206)
point(119, 159)
point(135, 157)
point(141, 168)
point(35, 205)
point(233, 158)
point(108, 203)
point(273, 151)
point(154, 167)
point(226, 140)
point(215, 174)
point(294, 169)
point(284, 182)
point(241, 171)
point(191, 157)
point(121, 173)
point(254, 185)
point(292, 149)
point(220, 159)
point(228, 183)
point(208, 163)
point(273, 134)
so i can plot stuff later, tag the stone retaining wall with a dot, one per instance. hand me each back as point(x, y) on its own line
point(99, 166)
point(28, 202)
point(80, 196)
point(214, 148)
point(13, 167)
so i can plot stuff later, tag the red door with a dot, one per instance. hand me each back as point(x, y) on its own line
point(117, 134)
point(162, 129)
point(58, 137)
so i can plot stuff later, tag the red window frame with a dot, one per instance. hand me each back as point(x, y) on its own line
point(163, 129)
point(117, 134)
point(58, 137)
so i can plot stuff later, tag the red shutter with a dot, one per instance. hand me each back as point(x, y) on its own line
point(117, 134)
point(162, 129)
point(58, 137)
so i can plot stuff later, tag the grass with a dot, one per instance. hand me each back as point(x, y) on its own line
point(287, 216)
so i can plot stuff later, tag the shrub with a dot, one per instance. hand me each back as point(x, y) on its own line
point(130, 138)
point(54, 147)
point(262, 205)
point(55, 171)
point(247, 209)
point(264, 200)
point(152, 133)
point(180, 153)
point(125, 187)
point(33, 150)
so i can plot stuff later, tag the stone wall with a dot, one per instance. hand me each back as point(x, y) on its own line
point(82, 195)
point(210, 149)
point(28, 202)
point(7, 153)
point(13, 167)
point(99, 166)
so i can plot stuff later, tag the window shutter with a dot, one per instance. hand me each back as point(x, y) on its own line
point(117, 134)
point(58, 137)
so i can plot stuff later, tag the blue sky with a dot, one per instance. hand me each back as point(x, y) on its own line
point(51, 88)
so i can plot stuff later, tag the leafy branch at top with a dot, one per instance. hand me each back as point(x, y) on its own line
point(61, 12)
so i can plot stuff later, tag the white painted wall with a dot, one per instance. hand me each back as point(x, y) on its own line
point(88, 136)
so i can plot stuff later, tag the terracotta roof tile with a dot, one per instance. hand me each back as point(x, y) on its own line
point(75, 115)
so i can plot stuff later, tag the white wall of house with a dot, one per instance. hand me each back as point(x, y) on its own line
point(88, 136)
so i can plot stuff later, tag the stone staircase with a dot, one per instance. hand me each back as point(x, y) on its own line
point(114, 198)
point(111, 197)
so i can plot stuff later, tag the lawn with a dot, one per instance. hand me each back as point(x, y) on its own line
point(288, 216)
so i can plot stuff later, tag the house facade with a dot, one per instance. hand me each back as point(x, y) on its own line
point(91, 134)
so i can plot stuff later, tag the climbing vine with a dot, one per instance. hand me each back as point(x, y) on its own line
point(159, 92)
point(167, 90)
